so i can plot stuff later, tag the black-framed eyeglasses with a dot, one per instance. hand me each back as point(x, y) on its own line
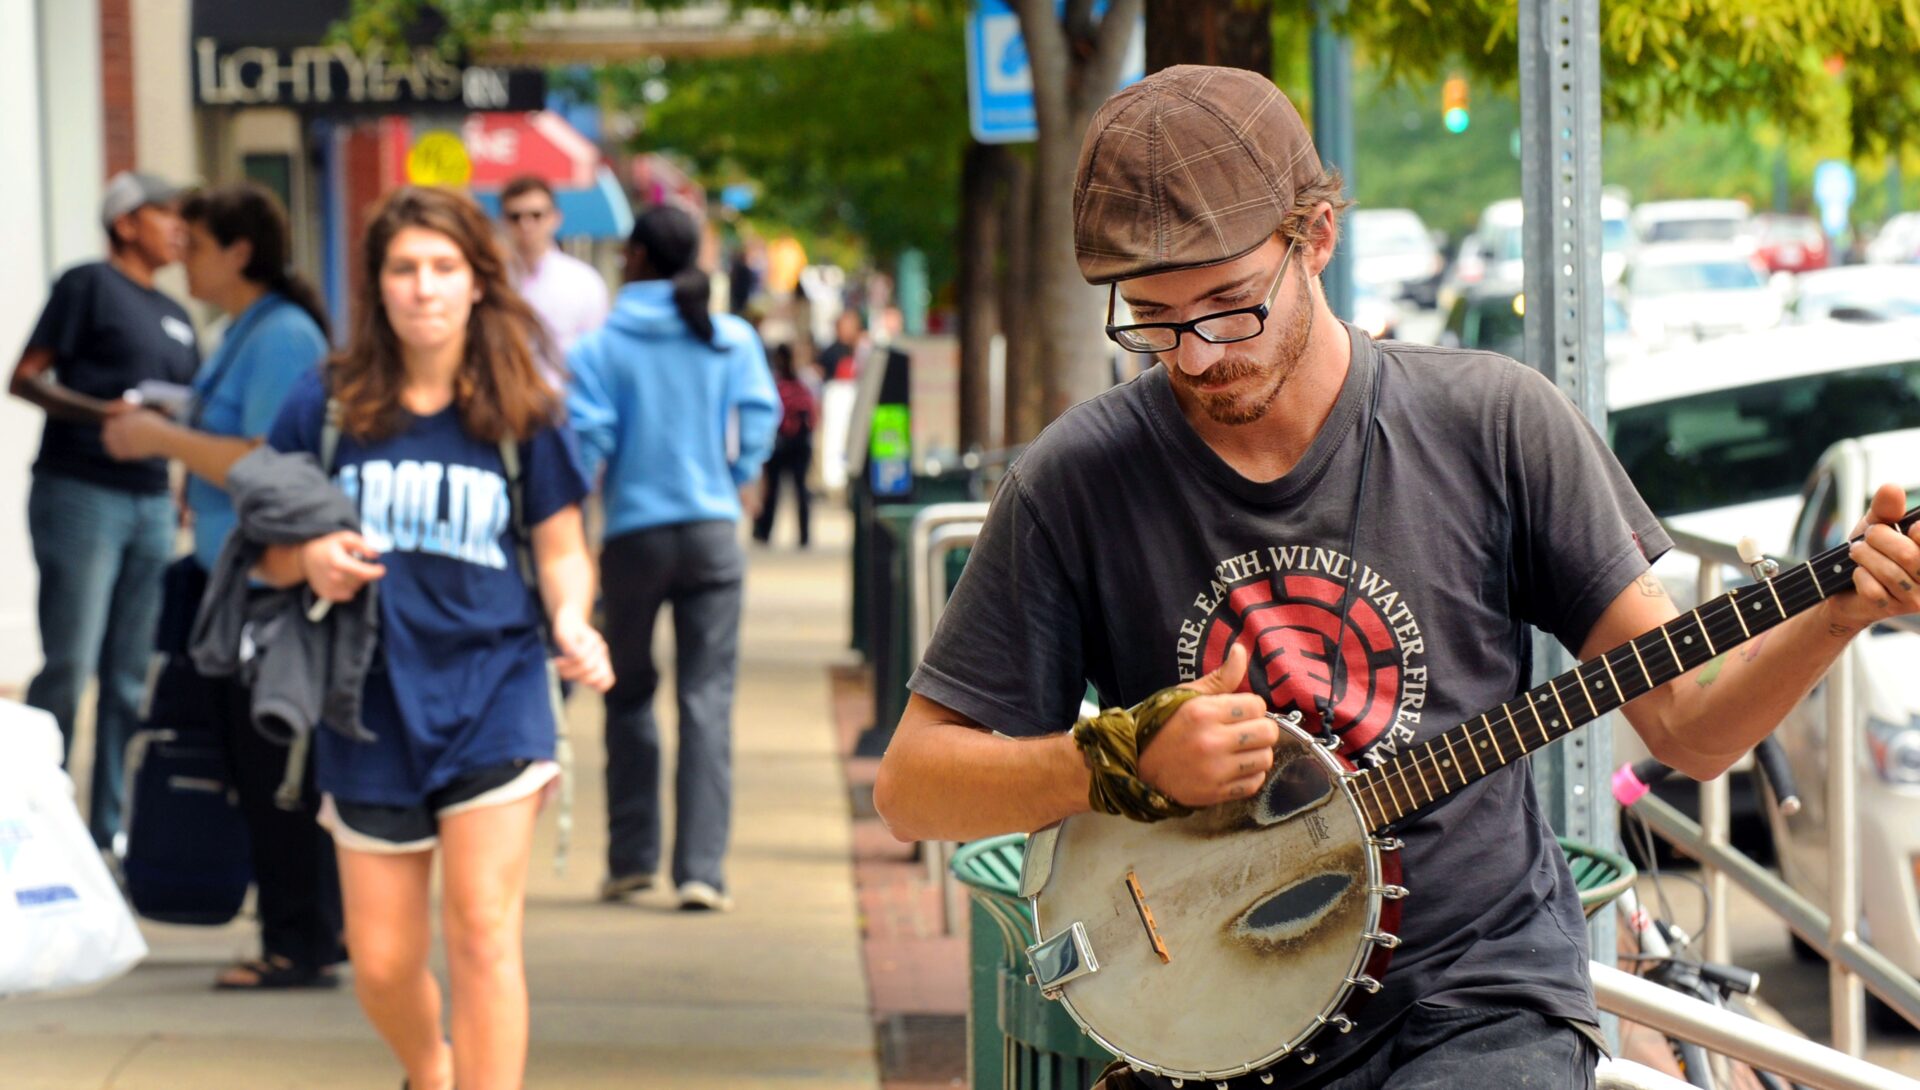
point(1220, 327)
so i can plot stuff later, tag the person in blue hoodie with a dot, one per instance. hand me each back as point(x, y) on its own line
point(655, 395)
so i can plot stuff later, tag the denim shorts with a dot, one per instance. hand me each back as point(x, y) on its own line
point(396, 830)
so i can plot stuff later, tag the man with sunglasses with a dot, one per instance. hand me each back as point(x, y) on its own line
point(1286, 516)
point(569, 295)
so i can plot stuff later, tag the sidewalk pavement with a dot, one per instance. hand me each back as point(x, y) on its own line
point(640, 997)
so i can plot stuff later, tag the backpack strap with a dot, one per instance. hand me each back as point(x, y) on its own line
point(562, 744)
point(287, 795)
point(330, 435)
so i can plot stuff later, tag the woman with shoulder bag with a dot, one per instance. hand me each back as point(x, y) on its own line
point(237, 259)
point(448, 441)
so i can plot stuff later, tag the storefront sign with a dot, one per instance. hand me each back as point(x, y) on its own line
point(333, 78)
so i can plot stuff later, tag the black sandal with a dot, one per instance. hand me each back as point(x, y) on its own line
point(276, 973)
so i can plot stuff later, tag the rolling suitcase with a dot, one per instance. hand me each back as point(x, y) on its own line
point(186, 857)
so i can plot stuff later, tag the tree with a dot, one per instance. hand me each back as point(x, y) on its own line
point(1076, 57)
point(1235, 33)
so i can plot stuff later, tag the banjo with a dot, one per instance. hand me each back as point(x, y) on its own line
point(1290, 900)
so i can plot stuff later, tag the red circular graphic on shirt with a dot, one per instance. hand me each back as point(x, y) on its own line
point(1291, 627)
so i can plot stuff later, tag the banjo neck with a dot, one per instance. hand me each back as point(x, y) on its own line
point(1424, 774)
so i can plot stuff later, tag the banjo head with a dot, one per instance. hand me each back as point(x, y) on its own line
point(1263, 907)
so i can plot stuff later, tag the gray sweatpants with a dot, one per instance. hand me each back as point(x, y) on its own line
point(699, 569)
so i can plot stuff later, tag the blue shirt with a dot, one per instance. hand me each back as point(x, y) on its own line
point(268, 346)
point(658, 408)
point(460, 683)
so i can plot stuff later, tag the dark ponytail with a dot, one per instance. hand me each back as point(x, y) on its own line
point(250, 211)
point(669, 239)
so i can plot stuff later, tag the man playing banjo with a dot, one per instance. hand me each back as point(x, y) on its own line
point(1289, 517)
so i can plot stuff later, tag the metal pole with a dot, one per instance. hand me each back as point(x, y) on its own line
point(1560, 190)
point(1716, 814)
point(1847, 1001)
point(1333, 134)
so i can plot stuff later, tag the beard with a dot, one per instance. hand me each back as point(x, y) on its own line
point(1270, 374)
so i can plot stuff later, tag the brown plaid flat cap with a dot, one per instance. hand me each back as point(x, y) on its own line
point(1192, 166)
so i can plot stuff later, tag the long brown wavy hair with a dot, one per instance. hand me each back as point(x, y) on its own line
point(499, 390)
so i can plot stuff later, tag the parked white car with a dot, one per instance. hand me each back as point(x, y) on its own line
point(1897, 242)
point(1657, 223)
point(1887, 716)
point(1491, 254)
point(1719, 436)
point(1395, 255)
point(1698, 291)
point(1860, 293)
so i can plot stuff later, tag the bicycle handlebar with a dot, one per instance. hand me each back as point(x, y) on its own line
point(1632, 781)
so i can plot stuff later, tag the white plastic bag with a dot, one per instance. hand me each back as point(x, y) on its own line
point(63, 923)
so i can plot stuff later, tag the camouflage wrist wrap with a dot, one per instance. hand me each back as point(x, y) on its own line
point(1111, 743)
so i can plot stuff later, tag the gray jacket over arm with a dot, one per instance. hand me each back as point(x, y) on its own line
point(302, 672)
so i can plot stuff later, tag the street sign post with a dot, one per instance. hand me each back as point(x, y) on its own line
point(1833, 191)
point(1000, 80)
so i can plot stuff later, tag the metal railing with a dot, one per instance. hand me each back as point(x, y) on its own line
point(1733, 1034)
point(1852, 964)
point(936, 531)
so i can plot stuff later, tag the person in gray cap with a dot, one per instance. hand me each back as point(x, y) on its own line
point(102, 529)
point(1287, 516)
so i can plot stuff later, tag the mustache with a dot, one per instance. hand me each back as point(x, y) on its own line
point(1220, 374)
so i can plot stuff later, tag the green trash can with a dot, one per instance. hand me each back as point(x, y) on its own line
point(1599, 875)
point(1016, 1038)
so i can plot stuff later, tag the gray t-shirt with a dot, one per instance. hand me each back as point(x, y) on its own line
point(1122, 551)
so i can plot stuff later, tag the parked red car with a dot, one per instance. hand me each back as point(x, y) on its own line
point(1789, 243)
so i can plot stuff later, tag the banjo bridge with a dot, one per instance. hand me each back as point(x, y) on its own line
point(1146, 918)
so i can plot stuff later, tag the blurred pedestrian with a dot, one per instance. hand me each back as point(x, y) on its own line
point(238, 254)
point(449, 444)
point(568, 294)
point(840, 363)
point(792, 446)
point(103, 529)
point(654, 395)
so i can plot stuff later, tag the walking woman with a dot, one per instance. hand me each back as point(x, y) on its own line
point(656, 393)
point(449, 439)
point(238, 260)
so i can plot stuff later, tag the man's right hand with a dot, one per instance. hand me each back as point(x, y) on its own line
point(1218, 746)
point(339, 564)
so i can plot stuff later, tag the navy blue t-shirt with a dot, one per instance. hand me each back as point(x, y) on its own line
point(460, 682)
point(107, 335)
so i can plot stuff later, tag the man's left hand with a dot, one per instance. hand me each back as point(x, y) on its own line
point(1888, 578)
point(134, 433)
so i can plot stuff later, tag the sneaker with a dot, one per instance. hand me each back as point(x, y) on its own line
point(701, 897)
point(625, 886)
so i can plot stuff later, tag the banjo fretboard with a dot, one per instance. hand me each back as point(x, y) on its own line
point(1426, 773)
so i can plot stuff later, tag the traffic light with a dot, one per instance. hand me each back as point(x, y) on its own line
point(1453, 104)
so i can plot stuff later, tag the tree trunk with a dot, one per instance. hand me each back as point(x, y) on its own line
point(1021, 397)
point(982, 196)
point(1234, 33)
point(1076, 60)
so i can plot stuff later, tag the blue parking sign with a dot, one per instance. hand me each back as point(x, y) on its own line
point(1000, 81)
point(1833, 190)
